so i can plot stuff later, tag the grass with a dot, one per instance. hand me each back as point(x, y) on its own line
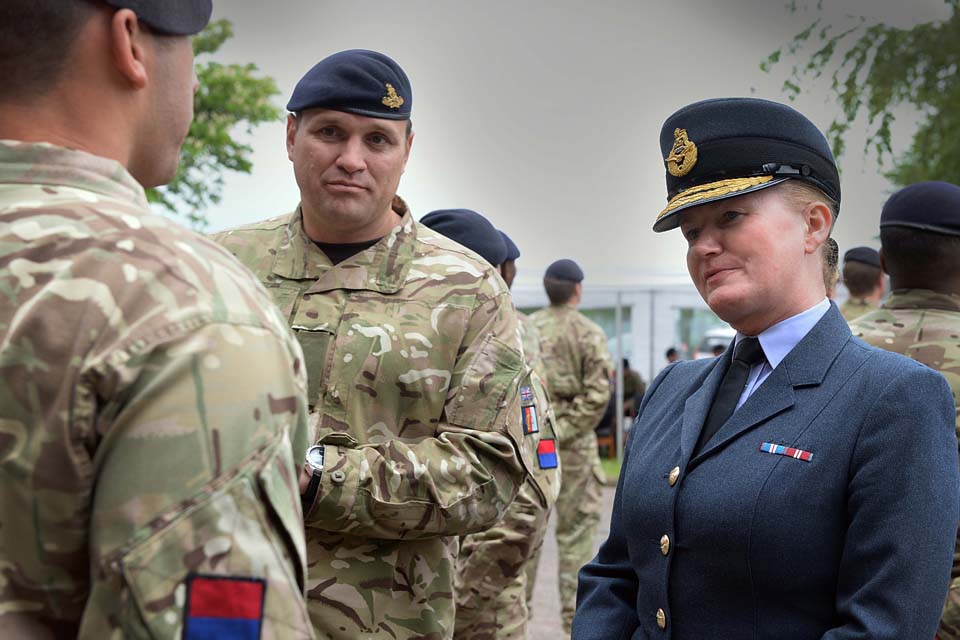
point(612, 469)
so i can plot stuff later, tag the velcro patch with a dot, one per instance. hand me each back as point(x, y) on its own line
point(547, 454)
point(526, 394)
point(530, 424)
point(223, 607)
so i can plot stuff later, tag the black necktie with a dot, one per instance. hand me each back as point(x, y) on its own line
point(746, 354)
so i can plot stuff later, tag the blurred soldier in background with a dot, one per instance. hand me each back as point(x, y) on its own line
point(413, 362)
point(147, 490)
point(634, 386)
point(920, 250)
point(863, 278)
point(532, 351)
point(831, 271)
point(491, 568)
point(578, 377)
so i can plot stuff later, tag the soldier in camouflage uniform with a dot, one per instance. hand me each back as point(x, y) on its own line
point(413, 362)
point(831, 270)
point(152, 401)
point(491, 568)
point(864, 279)
point(532, 351)
point(578, 376)
point(920, 236)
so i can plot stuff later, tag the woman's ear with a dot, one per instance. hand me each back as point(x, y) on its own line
point(818, 220)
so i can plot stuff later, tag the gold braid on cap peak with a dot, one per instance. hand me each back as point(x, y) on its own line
point(712, 190)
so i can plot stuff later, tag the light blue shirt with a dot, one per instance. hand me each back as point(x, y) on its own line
point(779, 340)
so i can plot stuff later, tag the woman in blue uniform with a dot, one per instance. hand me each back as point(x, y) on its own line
point(803, 485)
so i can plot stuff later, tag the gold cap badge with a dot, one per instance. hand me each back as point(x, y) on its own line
point(392, 100)
point(682, 156)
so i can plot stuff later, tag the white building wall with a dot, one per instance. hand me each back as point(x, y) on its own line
point(653, 312)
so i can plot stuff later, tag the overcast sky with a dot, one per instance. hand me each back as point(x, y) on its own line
point(545, 115)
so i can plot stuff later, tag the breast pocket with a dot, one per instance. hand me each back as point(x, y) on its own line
point(315, 342)
point(247, 531)
point(398, 363)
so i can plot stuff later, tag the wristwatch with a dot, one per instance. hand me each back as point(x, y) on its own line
point(313, 464)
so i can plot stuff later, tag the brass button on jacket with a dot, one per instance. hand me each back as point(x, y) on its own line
point(665, 544)
point(674, 476)
point(661, 619)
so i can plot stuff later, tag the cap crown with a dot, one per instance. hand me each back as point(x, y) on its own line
point(725, 147)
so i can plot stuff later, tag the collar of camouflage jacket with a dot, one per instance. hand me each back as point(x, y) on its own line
point(383, 267)
point(922, 299)
point(48, 164)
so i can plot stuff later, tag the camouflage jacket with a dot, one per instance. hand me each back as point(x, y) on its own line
point(538, 419)
point(923, 325)
point(853, 308)
point(149, 416)
point(532, 349)
point(578, 368)
point(414, 363)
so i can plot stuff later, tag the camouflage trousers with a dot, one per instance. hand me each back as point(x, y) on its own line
point(578, 515)
point(949, 628)
point(491, 572)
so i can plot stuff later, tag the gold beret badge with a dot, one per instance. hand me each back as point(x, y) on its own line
point(392, 100)
point(683, 155)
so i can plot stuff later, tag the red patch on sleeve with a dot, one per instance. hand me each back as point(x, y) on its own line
point(225, 597)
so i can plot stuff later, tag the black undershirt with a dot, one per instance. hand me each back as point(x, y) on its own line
point(340, 252)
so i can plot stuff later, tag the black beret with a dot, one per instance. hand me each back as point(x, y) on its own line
point(929, 206)
point(727, 147)
point(470, 229)
point(513, 251)
point(564, 269)
point(172, 17)
point(866, 255)
point(358, 81)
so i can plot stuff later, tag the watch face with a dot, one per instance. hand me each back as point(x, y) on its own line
point(315, 456)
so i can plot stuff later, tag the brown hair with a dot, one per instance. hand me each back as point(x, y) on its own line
point(36, 38)
point(860, 278)
point(559, 291)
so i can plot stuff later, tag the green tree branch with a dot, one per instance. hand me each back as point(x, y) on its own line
point(231, 101)
point(874, 70)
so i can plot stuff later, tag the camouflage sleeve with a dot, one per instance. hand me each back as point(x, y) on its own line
point(455, 483)
point(532, 348)
point(196, 480)
point(588, 407)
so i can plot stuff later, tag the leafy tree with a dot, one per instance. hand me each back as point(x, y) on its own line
point(877, 69)
point(231, 99)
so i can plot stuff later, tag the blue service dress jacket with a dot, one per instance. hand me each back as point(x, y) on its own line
point(741, 543)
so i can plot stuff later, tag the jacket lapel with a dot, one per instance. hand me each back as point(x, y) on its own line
point(698, 405)
point(806, 365)
point(773, 396)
